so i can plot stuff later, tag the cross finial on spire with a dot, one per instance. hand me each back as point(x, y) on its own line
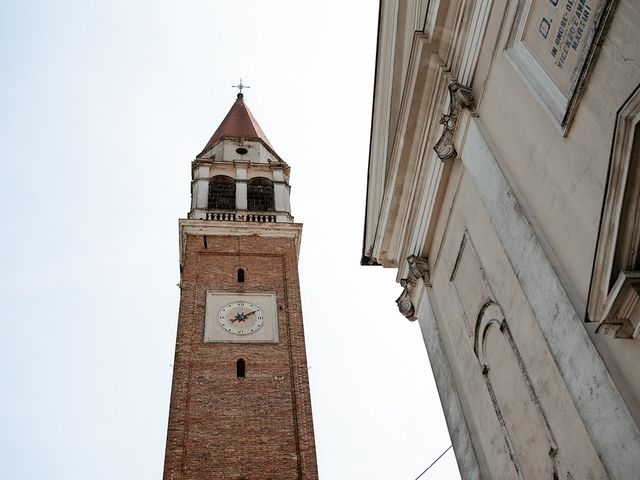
point(240, 86)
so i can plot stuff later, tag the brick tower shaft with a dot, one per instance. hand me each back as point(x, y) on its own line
point(240, 403)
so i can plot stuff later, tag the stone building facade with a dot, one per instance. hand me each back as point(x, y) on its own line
point(504, 185)
point(240, 404)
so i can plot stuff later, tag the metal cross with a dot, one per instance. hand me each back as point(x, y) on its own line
point(240, 86)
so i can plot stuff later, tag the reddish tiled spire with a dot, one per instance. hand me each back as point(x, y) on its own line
point(239, 123)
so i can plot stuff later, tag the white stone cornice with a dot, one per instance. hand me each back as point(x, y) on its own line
point(221, 228)
point(423, 194)
point(383, 88)
point(394, 169)
point(421, 70)
point(466, 66)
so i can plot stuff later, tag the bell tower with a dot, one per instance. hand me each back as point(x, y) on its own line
point(240, 405)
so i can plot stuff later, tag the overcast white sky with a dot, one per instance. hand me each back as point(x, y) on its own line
point(103, 105)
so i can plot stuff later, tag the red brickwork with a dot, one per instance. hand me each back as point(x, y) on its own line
point(227, 428)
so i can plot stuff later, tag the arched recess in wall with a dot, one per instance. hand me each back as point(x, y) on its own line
point(527, 434)
point(260, 194)
point(222, 193)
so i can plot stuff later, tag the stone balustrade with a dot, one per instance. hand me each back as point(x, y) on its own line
point(230, 216)
point(260, 217)
point(221, 216)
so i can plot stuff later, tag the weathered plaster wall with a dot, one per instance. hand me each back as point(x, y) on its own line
point(454, 415)
point(456, 324)
point(622, 358)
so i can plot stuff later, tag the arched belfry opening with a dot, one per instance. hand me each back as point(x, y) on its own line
point(222, 193)
point(260, 194)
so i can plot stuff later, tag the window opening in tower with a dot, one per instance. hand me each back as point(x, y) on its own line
point(222, 193)
point(260, 194)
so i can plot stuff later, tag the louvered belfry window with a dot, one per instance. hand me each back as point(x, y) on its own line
point(260, 194)
point(222, 193)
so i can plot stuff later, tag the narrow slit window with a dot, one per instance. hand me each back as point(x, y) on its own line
point(240, 368)
point(240, 275)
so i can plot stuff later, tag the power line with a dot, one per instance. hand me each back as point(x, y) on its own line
point(434, 462)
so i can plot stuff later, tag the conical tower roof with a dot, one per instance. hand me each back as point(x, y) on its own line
point(239, 123)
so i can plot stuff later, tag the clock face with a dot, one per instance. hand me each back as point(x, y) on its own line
point(241, 318)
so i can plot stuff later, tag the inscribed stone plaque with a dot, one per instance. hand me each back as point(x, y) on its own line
point(550, 45)
point(558, 33)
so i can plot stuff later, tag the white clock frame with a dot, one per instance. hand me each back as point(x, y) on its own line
point(216, 300)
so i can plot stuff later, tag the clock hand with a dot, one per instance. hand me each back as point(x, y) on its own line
point(241, 317)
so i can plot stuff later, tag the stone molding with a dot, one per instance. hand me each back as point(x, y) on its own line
point(451, 406)
point(491, 316)
point(221, 228)
point(418, 270)
point(613, 294)
point(460, 98)
point(620, 313)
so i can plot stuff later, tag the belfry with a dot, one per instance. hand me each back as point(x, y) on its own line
point(240, 404)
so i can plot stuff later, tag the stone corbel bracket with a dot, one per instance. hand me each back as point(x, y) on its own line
point(418, 269)
point(621, 312)
point(460, 98)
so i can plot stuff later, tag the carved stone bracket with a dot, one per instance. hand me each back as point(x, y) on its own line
point(621, 312)
point(368, 258)
point(404, 301)
point(418, 269)
point(460, 98)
